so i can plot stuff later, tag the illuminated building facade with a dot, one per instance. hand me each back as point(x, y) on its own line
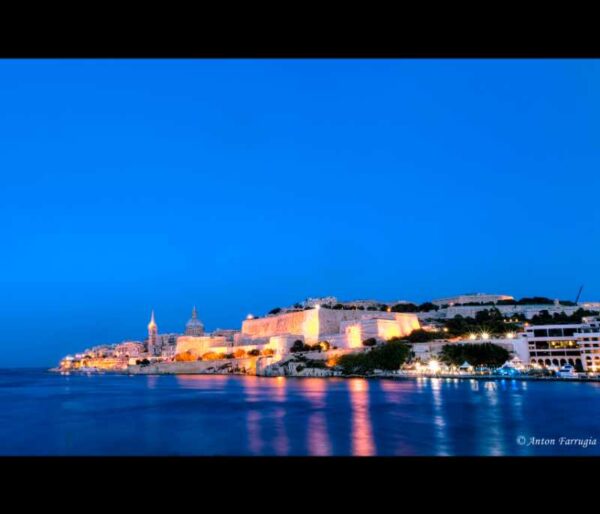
point(588, 339)
point(554, 345)
point(575, 344)
point(341, 328)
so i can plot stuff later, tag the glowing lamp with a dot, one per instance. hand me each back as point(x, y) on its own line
point(510, 335)
point(434, 366)
point(472, 337)
point(485, 335)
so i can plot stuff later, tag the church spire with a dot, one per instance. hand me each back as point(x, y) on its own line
point(152, 323)
point(152, 335)
point(194, 313)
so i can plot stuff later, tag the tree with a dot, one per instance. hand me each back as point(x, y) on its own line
point(545, 318)
point(298, 346)
point(487, 320)
point(389, 356)
point(428, 306)
point(535, 300)
point(506, 302)
point(255, 352)
point(276, 310)
point(239, 353)
point(370, 342)
point(486, 354)
point(185, 357)
point(404, 307)
point(267, 352)
point(422, 336)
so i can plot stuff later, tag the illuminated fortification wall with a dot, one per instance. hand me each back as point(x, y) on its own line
point(315, 325)
point(198, 345)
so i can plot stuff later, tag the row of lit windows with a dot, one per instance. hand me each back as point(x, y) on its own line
point(553, 344)
point(553, 353)
point(553, 332)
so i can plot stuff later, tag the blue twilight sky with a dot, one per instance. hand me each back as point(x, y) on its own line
point(242, 185)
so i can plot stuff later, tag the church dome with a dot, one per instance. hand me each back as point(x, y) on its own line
point(194, 327)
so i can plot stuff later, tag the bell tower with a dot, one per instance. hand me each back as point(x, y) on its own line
point(152, 335)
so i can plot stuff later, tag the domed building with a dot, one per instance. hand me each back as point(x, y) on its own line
point(194, 327)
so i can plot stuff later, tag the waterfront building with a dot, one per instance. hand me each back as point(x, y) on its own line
point(129, 349)
point(554, 345)
point(167, 344)
point(99, 351)
point(588, 340)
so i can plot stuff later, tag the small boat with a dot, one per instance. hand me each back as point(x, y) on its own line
point(567, 371)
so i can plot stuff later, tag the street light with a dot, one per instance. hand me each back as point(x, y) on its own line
point(434, 366)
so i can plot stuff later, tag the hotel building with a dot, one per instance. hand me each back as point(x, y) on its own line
point(588, 339)
point(555, 345)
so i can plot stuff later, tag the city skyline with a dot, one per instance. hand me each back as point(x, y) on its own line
point(239, 186)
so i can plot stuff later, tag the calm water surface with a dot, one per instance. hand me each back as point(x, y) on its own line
point(47, 414)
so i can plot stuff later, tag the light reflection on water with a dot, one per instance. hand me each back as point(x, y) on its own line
point(237, 415)
point(362, 434)
point(280, 441)
point(438, 416)
point(318, 442)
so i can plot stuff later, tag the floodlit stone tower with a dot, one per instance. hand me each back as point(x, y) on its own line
point(152, 336)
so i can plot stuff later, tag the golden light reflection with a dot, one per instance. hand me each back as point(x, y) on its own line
point(281, 443)
point(362, 433)
point(152, 381)
point(319, 444)
point(196, 381)
point(255, 442)
point(253, 416)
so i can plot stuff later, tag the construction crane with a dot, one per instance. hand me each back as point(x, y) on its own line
point(578, 295)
